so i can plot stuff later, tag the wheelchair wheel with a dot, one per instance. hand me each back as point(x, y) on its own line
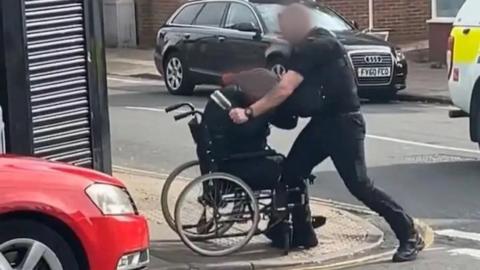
point(185, 173)
point(217, 214)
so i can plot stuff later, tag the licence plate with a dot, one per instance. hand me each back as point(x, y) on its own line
point(374, 72)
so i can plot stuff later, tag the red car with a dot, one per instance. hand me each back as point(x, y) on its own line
point(59, 217)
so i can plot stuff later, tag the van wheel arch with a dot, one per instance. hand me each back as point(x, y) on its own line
point(475, 113)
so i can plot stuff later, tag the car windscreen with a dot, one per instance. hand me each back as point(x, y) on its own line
point(321, 17)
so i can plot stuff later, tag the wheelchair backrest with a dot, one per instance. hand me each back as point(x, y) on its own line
point(205, 148)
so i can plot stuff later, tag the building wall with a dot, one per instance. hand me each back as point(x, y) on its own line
point(406, 18)
point(151, 14)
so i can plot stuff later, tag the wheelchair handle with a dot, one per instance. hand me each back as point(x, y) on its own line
point(183, 115)
point(177, 106)
point(221, 100)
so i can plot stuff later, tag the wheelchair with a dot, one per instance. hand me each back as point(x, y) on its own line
point(218, 213)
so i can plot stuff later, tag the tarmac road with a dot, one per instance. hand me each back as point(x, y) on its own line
point(415, 152)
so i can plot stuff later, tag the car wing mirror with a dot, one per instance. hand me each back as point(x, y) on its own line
point(246, 27)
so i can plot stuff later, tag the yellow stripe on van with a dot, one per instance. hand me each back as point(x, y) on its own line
point(467, 45)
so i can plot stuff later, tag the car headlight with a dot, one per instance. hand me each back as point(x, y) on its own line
point(400, 56)
point(111, 200)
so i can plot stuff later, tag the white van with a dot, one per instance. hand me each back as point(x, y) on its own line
point(464, 65)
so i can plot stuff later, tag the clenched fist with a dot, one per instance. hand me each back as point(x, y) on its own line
point(238, 115)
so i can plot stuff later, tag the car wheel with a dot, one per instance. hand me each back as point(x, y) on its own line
point(26, 244)
point(177, 78)
point(278, 66)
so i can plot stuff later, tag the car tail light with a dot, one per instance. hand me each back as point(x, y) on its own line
point(450, 51)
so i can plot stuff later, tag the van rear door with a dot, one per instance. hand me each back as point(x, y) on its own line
point(469, 14)
point(466, 34)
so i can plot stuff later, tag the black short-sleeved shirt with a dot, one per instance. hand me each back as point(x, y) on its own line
point(329, 86)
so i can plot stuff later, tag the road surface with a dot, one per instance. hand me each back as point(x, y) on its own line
point(415, 152)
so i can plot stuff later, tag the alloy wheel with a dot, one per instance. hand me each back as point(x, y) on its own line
point(174, 73)
point(27, 254)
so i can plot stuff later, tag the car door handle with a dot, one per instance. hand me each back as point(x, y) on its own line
point(186, 36)
point(466, 31)
point(221, 38)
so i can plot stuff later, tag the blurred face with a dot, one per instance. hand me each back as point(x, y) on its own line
point(295, 23)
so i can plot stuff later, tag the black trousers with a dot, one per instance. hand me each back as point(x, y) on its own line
point(342, 139)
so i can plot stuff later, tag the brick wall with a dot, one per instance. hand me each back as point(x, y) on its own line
point(407, 18)
point(151, 14)
point(351, 9)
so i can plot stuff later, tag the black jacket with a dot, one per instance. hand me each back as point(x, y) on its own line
point(230, 138)
point(329, 85)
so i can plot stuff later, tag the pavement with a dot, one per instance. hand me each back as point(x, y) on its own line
point(424, 83)
point(345, 237)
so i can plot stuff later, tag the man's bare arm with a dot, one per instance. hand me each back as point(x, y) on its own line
point(289, 82)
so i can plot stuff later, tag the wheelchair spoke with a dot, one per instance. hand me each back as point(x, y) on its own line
point(234, 218)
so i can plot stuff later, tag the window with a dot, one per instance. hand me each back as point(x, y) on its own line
point(211, 14)
point(187, 14)
point(446, 8)
point(239, 13)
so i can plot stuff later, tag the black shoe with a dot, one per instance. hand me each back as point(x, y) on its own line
point(318, 221)
point(305, 237)
point(275, 233)
point(409, 250)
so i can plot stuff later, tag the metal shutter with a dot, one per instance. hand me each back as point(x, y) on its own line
point(55, 37)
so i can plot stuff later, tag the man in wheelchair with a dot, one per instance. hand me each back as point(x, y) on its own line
point(243, 150)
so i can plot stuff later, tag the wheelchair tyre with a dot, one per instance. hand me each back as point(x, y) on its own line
point(206, 244)
point(166, 197)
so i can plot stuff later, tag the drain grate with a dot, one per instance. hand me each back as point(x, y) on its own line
point(438, 158)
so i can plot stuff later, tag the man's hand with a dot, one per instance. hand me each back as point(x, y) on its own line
point(228, 78)
point(238, 115)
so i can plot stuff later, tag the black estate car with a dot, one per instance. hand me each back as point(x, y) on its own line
point(206, 38)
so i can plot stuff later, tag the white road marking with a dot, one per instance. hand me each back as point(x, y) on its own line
point(150, 109)
point(459, 234)
point(432, 249)
point(446, 108)
point(429, 145)
point(465, 251)
point(146, 109)
point(143, 82)
point(371, 136)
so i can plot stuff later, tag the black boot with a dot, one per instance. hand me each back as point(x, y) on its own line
point(275, 232)
point(303, 231)
point(409, 249)
point(304, 235)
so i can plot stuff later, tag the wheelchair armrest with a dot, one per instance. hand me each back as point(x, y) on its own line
point(250, 155)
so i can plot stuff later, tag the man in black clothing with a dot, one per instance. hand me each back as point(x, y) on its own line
point(320, 84)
